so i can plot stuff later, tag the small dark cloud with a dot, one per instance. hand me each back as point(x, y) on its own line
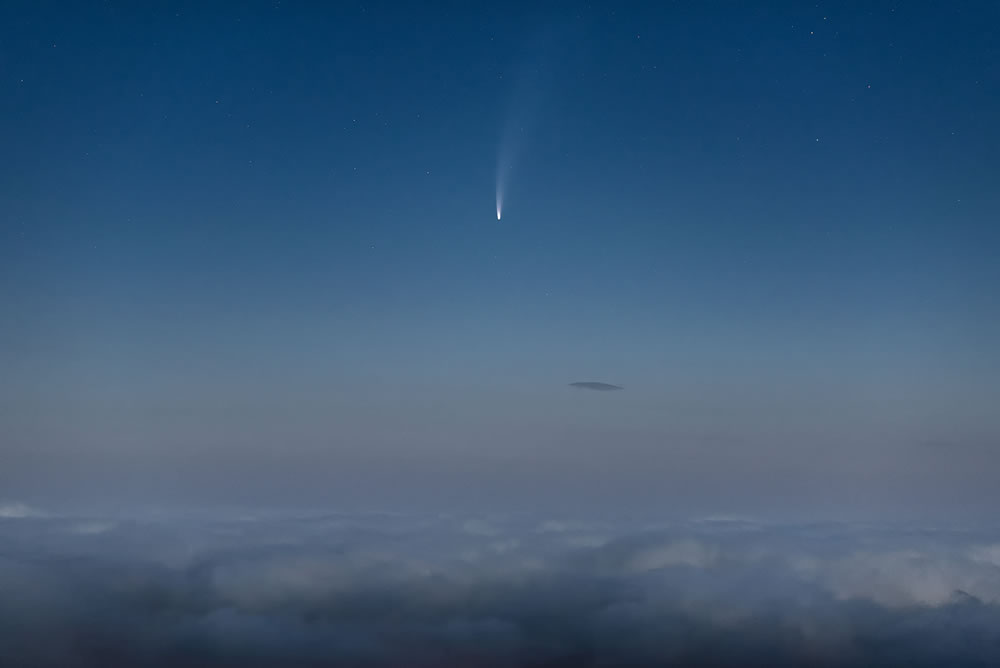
point(600, 387)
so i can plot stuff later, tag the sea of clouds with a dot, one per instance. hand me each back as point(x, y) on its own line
point(383, 589)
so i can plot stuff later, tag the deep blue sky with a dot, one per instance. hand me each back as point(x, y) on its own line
point(249, 254)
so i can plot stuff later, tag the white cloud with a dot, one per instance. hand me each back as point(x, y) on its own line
point(18, 510)
point(93, 527)
point(680, 553)
point(478, 527)
point(988, 554)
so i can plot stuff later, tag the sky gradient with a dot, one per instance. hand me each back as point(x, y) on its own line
point(249, 256)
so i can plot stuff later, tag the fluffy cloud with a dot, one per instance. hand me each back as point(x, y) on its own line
point(426, 591)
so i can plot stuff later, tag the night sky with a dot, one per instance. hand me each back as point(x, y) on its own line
point(250, 256)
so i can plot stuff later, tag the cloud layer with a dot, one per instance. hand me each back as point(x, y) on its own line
point(380, 590)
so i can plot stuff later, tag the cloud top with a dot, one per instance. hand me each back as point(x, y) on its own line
point(492, 591)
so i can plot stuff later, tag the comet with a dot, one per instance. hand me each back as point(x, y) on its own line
point(533, 80)
point(511, 139)
point(503, 166)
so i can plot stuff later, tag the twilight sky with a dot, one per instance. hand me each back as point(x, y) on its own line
point(249, 256)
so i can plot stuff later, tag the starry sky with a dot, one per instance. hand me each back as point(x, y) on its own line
point(249, 256)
